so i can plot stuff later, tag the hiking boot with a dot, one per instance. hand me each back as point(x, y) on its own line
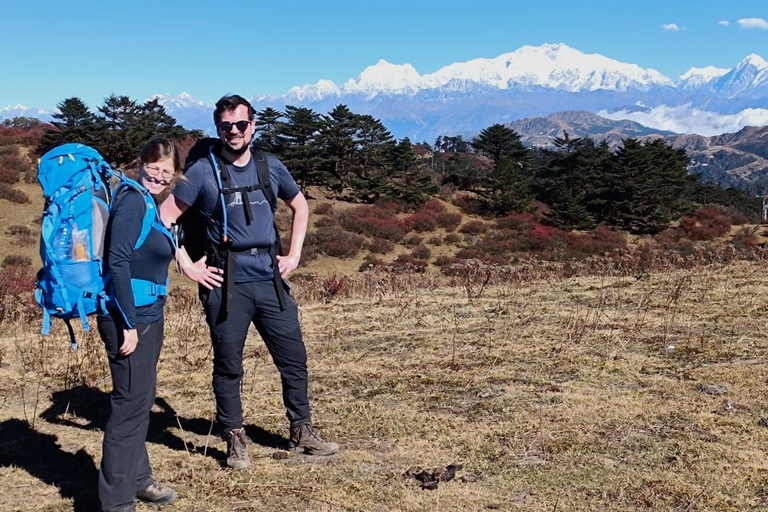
point(304, 439)
point(237, 451)
point(157, 494)
point(126, 508)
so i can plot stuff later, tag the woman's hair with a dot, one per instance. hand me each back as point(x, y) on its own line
point(160, 149)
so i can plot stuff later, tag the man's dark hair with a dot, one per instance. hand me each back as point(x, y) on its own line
point(230, 102)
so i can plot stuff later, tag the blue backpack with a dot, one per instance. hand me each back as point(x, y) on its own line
point(79, 186)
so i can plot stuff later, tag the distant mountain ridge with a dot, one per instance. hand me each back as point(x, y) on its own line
point(532, 81)
point(737, 160)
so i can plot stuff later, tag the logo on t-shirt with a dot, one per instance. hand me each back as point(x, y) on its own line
point(238, 200)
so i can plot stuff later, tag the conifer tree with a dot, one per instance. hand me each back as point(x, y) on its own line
point(506, 187)
point(267, 122)
point(74, 122)
point(297, 139)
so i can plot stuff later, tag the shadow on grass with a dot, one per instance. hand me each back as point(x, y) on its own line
point(88, 408)
point(74, 474)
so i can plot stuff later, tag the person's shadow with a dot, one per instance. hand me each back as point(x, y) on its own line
point(40, 455)
point(88, 408)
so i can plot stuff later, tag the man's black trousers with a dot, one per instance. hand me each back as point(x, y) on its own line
point(255, 302)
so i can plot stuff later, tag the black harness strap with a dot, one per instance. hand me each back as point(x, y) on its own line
point(224, 251)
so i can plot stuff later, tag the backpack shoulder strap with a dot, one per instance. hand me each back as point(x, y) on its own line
point(151, 213)
point(262, 168)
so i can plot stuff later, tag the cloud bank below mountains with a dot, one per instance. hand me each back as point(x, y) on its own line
point(688, 119)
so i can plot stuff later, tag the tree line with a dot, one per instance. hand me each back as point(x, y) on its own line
point(578, 184)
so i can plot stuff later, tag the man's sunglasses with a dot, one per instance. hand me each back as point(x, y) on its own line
point(226, 126)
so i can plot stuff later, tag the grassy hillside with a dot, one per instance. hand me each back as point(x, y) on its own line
point(552, 388)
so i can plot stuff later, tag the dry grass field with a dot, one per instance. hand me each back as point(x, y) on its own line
point(552, 391)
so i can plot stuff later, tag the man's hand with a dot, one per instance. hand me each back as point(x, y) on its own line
point(199, 272)
point(287, 263)
point(130, 340)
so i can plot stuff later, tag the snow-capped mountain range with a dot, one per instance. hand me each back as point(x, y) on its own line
point(465, 97)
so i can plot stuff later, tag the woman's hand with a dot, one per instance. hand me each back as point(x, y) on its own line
point(199, 272)
point(130, 340)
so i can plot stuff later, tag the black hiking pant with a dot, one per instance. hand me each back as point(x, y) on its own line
point(125, 466)
point(255, 302)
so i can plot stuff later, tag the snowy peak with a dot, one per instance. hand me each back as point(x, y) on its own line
point(314, 92)
point(552, 66)
point(751, 74)
point(697, 77)
point(385, 77)
point(183, 100)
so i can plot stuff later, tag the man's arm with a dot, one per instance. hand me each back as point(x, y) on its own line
point(300, 209)
point(210, 277)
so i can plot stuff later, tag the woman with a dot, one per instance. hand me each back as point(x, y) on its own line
point(133, 331)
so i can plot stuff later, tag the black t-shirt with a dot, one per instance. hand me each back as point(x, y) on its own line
point(198, 188)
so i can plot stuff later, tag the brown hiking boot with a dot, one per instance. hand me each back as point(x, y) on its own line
point(157, 494)
point(304, 439)
point(237, 451)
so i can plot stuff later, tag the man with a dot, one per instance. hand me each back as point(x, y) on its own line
point(241, 255)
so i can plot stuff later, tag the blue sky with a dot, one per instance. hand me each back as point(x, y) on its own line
point(54, 49)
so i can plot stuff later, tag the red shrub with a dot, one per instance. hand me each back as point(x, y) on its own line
point(374, 222)
point(517, 222)
point(546, 237)
point(336, 242)
point(421, 221)
point(706, 224)
point(433, 205)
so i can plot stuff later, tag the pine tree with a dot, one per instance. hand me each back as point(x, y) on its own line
point(267, 122)
point(73, 122)
point(297, 139)
point(338, 139)
point(506, 187)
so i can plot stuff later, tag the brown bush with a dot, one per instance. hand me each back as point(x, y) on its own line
point(448, 221)
point(421, 252)
point(16, 260)
point(473, 227)
point(380, 246)
point(452, 238)
point(13, 195)
point(323, 209)
point(413, 240)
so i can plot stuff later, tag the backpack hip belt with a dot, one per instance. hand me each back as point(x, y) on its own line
point(230, 257)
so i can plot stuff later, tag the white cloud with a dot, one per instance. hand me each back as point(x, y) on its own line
point(671, 27)
point(753, 23)
point(724, 23)
point(688, 119)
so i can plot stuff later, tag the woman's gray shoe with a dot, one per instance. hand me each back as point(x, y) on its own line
point(304, 439)
point(237, 451)
point(157, 494)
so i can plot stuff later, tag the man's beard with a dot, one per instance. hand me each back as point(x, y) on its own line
point(237, 152)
